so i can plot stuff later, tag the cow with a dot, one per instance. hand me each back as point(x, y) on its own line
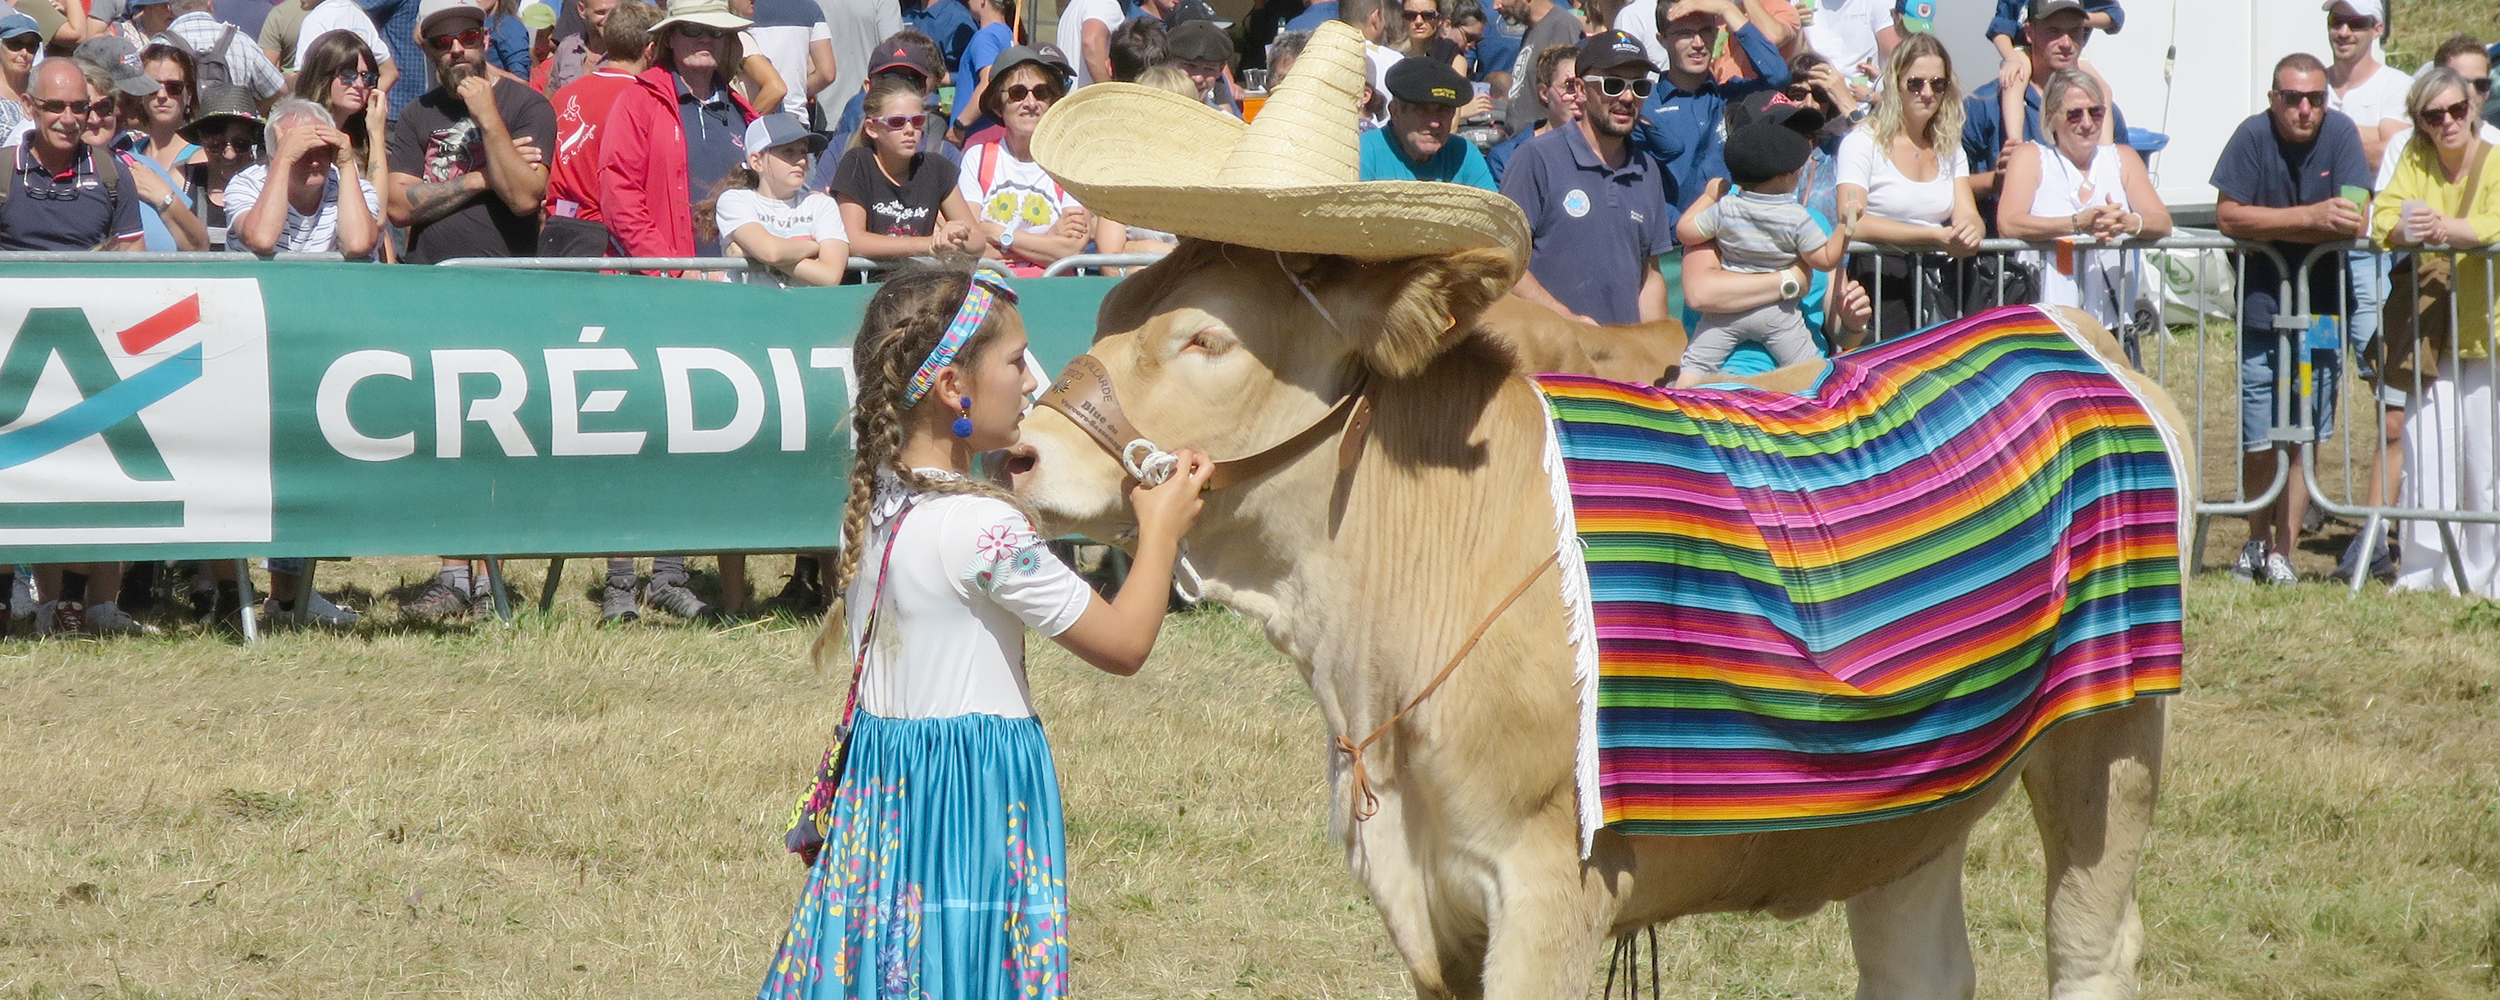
point(1371, 555)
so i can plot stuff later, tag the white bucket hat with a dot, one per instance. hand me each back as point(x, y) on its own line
point(1286, 182)
point(708, 13)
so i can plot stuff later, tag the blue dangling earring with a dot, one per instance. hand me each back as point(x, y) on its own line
point(963, 424)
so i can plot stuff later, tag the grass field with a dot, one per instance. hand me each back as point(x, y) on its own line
point(554, 810)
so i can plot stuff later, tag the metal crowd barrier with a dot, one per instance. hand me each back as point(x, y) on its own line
point(1094, 262)
point(857, 265)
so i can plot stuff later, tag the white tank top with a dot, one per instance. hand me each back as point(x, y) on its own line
point(2094, 280)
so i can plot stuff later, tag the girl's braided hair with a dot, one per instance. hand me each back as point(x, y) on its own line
point(903, 323)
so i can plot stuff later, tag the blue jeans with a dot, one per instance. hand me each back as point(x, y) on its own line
point(2259, 354)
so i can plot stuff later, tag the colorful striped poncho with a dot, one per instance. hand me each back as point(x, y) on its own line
point(1865, 601)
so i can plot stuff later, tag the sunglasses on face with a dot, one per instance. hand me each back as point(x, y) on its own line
point(469, 39)
point(2296, 98)
point(1614, 86)
point(352, 77)
point(701, 32)
point(897, 122)
point(1923, 84)
point(2094, 114)
point(2436, 117)
point(80, 108)
point(172, 89)
point(2355, 24)
point(1423, 15)
point(1040, 92)
point(2481, 84)
point(25, 43)
point(239, 144)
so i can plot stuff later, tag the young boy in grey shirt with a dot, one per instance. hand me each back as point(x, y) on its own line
point(1760, 229)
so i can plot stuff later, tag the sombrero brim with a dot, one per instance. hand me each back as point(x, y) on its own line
point(1151, 158)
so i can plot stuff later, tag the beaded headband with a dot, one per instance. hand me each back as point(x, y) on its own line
point(984, 291)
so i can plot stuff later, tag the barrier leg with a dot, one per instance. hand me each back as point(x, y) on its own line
point(555, 579)
point(2371, 534)
point(2456, 560)
point(494, 586)
point(2196, 550)
point(248, 606)
point(304, 593)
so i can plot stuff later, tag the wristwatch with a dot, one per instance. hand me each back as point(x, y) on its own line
point(1007, 239)
point(1789, 288)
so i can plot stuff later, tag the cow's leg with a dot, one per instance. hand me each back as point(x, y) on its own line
point(2092, 783)
point(1548, 915)
point(1910, 938)
point(1382, 853)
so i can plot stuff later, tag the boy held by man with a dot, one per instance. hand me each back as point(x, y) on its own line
point(1760, 229)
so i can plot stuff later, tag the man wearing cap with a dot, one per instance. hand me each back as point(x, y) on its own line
point(2366, 90)
point(19, 41)
point(63, 193)
point(466, 157)
point(1424, 97)
point(1683, 122)
point(199, 32)
point(1596, 204)
point(2055, 34)
point(344, 15)
point(574, 226)
point(946, 22)
point(1203, 51)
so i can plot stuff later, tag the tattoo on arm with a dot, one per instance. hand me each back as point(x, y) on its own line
point(429, 202)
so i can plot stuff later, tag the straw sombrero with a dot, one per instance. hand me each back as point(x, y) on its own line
point(1156, 159)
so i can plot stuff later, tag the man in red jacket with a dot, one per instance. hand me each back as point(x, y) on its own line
point(672, 140)
point(575, 227)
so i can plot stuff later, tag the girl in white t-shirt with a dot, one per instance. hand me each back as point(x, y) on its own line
point(766, 214)
point(1905, 172)
point(940, 860)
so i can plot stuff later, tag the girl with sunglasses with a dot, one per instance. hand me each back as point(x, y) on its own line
point(1904, 174)
point(898, 199)
point(154, 147)
point(2077, 184)
point(340, 75)
point(1027, 219)
point(2445, 196)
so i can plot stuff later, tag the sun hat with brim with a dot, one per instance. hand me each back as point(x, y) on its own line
point(218, 103)
point(708, 13)
point(1286, 182)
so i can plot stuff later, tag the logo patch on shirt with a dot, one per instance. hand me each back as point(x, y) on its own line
point(1576, 203)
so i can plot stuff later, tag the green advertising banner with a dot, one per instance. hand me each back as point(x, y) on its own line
point(224, 410)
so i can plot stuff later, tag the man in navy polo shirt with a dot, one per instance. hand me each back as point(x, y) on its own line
point(1596, 205)
point(1684, 127)
point(2054, 34)
point(58, 199)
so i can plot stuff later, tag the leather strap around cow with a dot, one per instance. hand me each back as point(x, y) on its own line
point(1367, 804)
point(1084, 394)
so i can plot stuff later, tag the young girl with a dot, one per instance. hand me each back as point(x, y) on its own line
point(765, 213)
point(943, 867)
point(897, 199)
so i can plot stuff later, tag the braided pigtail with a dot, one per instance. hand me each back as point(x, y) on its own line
point(902, 326)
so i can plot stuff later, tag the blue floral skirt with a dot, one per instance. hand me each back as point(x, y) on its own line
point(944, 873)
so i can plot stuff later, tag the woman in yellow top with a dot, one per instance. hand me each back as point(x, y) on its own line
point(2451, 180)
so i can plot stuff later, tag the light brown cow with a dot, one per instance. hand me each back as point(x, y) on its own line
point(1371, 577)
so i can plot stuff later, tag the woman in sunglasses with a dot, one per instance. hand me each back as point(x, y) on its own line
point(228, 129)
point(1424, 37)
point(20, 40)
point(1903, 174)
point(898, 199)
point(339, 74)
point(1027, 219)
point(2445, 196)
point(2076, 186)
point(153, 145)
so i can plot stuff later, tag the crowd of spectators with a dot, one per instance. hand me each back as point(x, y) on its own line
point(799, 135)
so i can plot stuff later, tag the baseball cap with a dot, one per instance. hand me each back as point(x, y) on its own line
point(1609, 49)
point(1425, 80)
point(14, 24)
point(1772, 107)
point(781, 128)
point(892, 53)
point(220, 102)
point(117, 56)
point(2044, 8)
point(1762, 151)
point(1916, 15)
point(1199, 41)
point(2375, 10)
point(453, 15)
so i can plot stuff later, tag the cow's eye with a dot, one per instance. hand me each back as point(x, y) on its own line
point(1209, 342)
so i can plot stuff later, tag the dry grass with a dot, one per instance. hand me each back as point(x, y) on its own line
point(555, 810)
point(2422, 24)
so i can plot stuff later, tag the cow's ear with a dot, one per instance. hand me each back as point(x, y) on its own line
point(1433, 302)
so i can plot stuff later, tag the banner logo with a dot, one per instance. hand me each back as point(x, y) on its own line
point(134, 408)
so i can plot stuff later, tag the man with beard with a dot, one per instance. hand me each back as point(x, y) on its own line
point(1596, 205)
point(1424, 97)
point(466, 157)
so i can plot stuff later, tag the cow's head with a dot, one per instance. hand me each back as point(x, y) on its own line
point(1231, 350)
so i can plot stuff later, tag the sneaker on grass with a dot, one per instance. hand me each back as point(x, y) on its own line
point(108, 618)
point(2382, 559)
point(2251, 563)
point(618, 600)
point(2279, 571)
point(438, 603)
point(675, 599)
point(62, 619)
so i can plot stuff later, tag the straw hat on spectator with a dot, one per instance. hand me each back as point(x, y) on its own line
point(1156, 159)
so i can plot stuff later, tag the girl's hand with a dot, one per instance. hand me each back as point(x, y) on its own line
point(1167, 511)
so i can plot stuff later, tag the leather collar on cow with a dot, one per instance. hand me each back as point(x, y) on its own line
point(1085, 396)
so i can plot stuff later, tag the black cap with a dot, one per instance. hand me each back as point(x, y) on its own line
point(1192, 10)
point(1609, 49)
point(2043, 8)
point(1772, 107)
point(1199, 41)
point(1762, 151)
point(892, 53)
point(1426, 80)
